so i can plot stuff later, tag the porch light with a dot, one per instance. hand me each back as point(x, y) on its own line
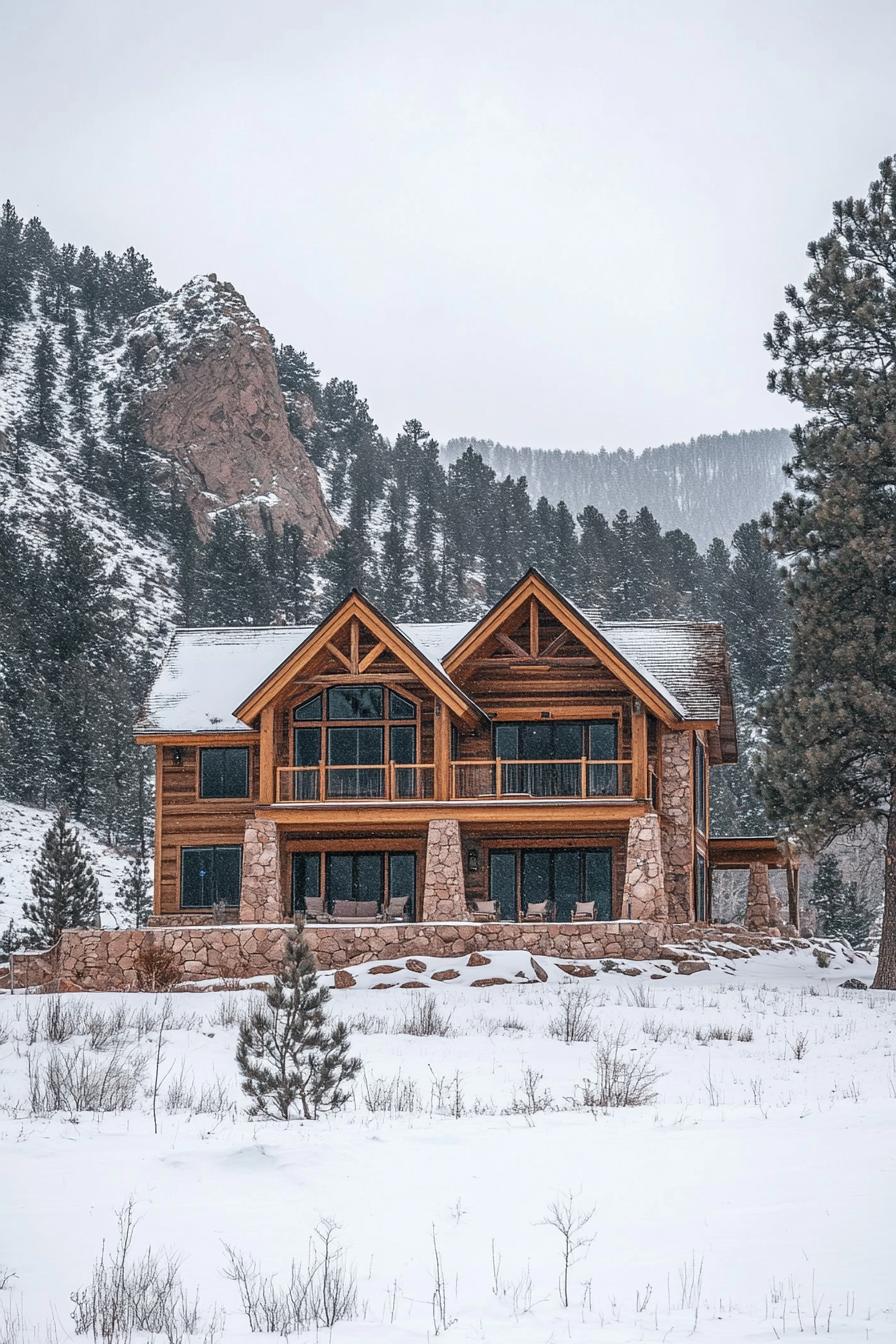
point(472, 860)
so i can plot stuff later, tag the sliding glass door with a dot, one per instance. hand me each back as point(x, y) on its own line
point(561, 877)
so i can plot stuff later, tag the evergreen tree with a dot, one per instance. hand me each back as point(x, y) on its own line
point(235, 585)
point(841, 909)
point(288, 1056)
point(594, 571)
point(293, 575)
point(14, 276)
point(133, 892)
point(10, 940)
point(831, 756)
point(43, 408)
point(715, 581)
point(65, 888)
point(301, 391)
point(395, 566)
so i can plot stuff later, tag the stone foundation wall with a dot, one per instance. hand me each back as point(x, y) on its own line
point(117, 959)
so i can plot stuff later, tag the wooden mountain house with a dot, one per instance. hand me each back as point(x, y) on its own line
point(536, 765)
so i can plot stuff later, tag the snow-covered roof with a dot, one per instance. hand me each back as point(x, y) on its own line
point(207, 673)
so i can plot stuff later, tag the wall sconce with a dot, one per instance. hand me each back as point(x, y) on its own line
point(472, 860)
point(177, 755)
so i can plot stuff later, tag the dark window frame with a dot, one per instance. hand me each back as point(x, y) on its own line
point(322, 858)
point(223, 754)
point(307, 786)
point(214, 896)
point(701, 790)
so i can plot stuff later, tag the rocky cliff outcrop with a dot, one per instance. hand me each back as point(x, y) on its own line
point(201, 371)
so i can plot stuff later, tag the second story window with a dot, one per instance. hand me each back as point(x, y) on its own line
point(224, 772)
point(544, 758)
point(355, 742)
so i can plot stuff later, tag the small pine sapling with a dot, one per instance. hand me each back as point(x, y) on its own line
point(65, 887)
point(133, 892)
point(288, 1056)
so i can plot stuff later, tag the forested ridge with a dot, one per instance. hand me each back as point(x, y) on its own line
point(707, 486)
point(94, 572)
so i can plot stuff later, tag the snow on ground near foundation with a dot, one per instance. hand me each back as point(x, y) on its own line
point(22, 831)
point(752, 1200)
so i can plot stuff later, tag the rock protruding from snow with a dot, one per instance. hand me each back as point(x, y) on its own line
point(205, 382)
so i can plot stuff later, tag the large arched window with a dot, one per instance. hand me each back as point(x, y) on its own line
point(356, 741)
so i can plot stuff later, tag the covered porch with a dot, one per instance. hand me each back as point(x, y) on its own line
point(757, 855)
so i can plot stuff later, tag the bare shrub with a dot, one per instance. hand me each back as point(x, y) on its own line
point(570, 1222)
point(321, 1291)
point(621, 1076)
point(395, 1095)
point(232, 1011)
point(530, 1098)
point(102, 1027)
point(575, 1020)
point(638, 996)
point(181, 1095)
point(423, 1017)
point(714, 1033)
point(56, 1019)
point(215, 1098)
point(145, 1021)
point(156, 966)
point(744, 1033)
point(128, 1293)
point(657, 1030)
point(799, 1046)
point(76, 1081)
point(371, 1024)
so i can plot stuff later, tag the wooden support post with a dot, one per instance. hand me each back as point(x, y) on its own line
point(355, 644)
point(266, 754)
point(639, 751)
point(583, 793)
point(441, 784)
point(499, 790)
point(534, 639)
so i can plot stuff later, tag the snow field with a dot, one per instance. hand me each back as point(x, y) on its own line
point(749, 1201)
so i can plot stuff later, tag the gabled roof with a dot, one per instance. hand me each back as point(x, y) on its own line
point(208, 674)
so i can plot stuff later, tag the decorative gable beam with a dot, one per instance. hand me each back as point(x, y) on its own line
point(350, 615)
point(534, 587)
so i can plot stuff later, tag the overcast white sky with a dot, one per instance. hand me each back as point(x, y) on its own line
point(557, 224)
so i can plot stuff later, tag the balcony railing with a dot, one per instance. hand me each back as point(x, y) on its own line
point(578, 778)
point(325, 783)
point(493, 778)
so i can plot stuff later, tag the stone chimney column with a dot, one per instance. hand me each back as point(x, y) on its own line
point(261, 895)
point(444, 895)
point(677, 807)
point(644, 893)
point(759, 899)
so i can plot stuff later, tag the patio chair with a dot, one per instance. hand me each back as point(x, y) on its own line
point(484, 912)
point(315, 911)
point(536, 912)
point(583, 911)
point(355, 912)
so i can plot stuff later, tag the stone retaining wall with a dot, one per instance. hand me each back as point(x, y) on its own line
point(123, 959)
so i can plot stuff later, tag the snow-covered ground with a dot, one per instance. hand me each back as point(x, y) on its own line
point(752, 1200)
point(22, 831)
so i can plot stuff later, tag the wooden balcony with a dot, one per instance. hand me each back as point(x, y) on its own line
point(494, 779)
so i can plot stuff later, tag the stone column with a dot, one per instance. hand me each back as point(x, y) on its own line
point(444, 897)
point(644, 894)
point(261, 896)
point(759, 899)
point(676, 805)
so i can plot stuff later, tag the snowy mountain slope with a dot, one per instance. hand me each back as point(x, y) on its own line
point(22, 830)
